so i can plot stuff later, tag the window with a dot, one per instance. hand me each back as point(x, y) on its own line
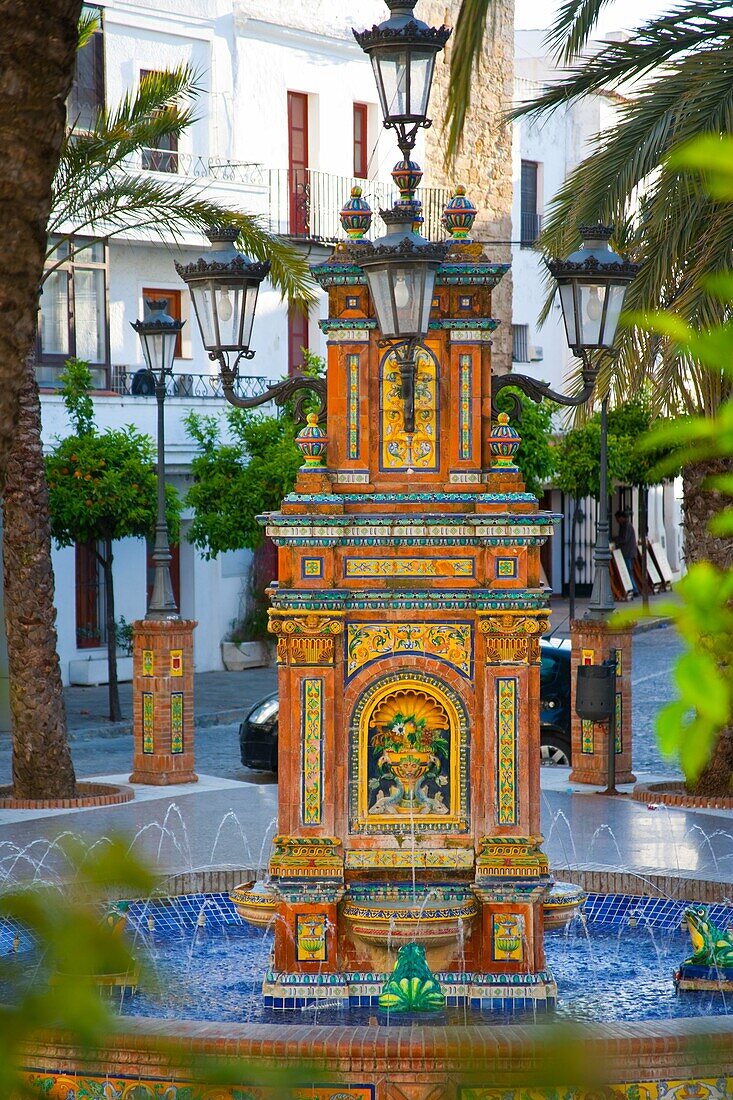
point(531, 221)
point(163, 157)
point(520, 343)
point(173, 298)
point(298, 164)
point(91, 605)
point(297, 338)
point(361, 149)
point(86, 97)
point(73, 308)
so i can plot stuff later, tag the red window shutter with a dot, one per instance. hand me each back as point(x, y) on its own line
point(297, 338)
point(361, 152)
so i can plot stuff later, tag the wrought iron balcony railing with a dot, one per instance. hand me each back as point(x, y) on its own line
point(139, 382)
point(305, 204)
point(127, 381)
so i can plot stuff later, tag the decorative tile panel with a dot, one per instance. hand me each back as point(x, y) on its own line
point(311, 809)
point(148, 662)
point(176, 665)
point(618, 723)
point(352, 379)
point(408, 746)
point(312, 567)
point(507, 937)
point(507, 567)
point(449, 642)
point(418, 450)
point(148, 721)
point(310, 937)
point(465, 388)
point(506, 753)
point(408, 567)
point(176, 722)
point(587, 730)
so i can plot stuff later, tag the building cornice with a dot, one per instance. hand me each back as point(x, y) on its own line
point(296, 38)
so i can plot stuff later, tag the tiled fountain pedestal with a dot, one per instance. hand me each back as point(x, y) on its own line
point(408, 616)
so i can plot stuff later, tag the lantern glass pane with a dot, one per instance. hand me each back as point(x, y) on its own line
point(249, 306)
point(567, 301)
point(421, 77)
point(406, 285)
point(427, 299)
point(591, 298)
point(379, 279)
point(202, 296)
point(391, 70)
point(228, 300)
point(158, 350)
point(616, 294)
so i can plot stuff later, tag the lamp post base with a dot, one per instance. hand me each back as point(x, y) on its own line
point(592, 643)
point(162, 691)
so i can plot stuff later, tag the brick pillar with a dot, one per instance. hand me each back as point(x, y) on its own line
point(592, 642)
point(162, 702)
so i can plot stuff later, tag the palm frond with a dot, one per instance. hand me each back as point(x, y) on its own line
point(468, 41)
point(694, 26)
point(89, 22)
point(574, 23)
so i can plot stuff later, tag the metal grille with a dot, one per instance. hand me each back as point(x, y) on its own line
point(520, 343)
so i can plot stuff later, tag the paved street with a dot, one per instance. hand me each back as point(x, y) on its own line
point(225, 695)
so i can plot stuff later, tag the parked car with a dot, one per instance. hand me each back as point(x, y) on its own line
point(258, 732)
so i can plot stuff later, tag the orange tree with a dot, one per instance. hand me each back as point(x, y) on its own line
point(103, 487)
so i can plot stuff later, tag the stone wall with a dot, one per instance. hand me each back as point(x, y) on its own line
point(484, 164)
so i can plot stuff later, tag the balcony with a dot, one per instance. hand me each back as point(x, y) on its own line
point(305, 205)
point(127, 381)
point(300, 203)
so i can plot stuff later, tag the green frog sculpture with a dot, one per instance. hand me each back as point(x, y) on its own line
point(412, 987)
point(710, 966)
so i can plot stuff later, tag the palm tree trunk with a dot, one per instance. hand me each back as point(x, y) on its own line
point(115, 710)
point(37, 51)
point(42, 766)
point(700, 505)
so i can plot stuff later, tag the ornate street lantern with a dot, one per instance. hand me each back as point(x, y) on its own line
point(402, 51)
point(592, 282)
point(400, 272)
point(224, 291)
point(158, 333)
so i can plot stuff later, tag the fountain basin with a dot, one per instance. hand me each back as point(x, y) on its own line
point(381, 914)
point(256, 902)
point(563, 904)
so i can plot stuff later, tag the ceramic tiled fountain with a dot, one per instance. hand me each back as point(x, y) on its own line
point(408, 616)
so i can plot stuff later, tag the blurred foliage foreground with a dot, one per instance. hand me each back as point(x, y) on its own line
point(53, 996)
point(696, 727)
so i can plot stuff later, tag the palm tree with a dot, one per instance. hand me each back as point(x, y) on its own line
point(97, 192)
point(674, 72)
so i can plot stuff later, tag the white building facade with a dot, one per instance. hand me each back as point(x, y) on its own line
point(545, 151)
point(286, 122)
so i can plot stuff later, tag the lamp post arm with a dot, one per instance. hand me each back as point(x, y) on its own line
point(539, 391)
point(297, 387)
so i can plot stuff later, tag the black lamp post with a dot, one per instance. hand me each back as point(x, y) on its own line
point(400, 267)
point(402, 51)
point(158, 333)
point(593, 282)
